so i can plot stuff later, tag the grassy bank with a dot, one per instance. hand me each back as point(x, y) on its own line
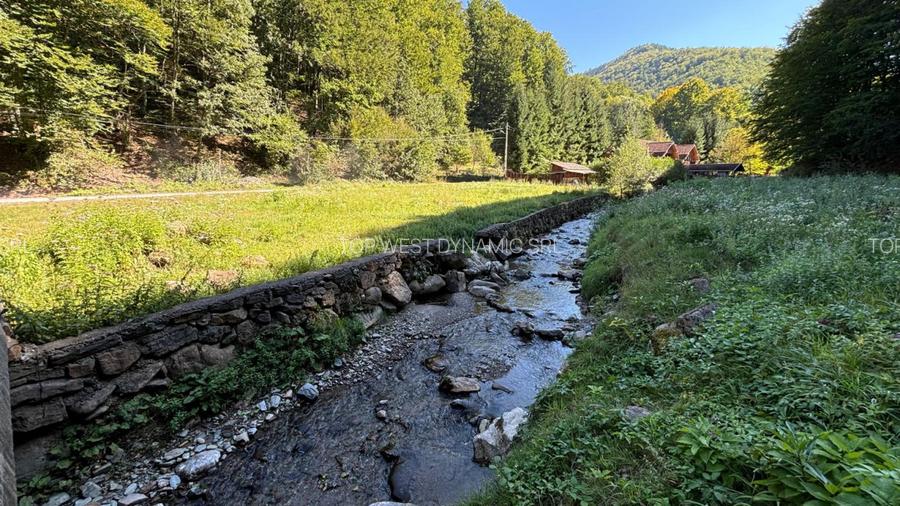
point(789, 394)
point(66, 268)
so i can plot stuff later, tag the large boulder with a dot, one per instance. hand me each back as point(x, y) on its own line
point(432, 284)
point(496, 440)
point(396, 289)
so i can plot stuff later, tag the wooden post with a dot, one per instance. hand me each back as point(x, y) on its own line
point(506, 149)
point(7, 460)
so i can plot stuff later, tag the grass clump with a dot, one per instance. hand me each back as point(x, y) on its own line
point(68, 268)
point(789, 394)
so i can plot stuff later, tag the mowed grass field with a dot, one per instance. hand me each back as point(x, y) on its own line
point(70, 267)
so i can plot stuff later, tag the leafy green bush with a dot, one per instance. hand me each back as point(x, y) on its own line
point(632, 170)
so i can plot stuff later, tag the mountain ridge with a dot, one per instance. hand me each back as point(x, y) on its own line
point(651, 68)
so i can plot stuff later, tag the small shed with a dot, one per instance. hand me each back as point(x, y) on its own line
point(567, 172)
point(714, 169)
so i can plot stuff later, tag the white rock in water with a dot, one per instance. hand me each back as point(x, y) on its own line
point(57, 499)
point(198, 464)
point(482, 291)
point(497, 439)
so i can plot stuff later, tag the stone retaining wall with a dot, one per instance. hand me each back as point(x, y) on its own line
point(77, 379)
point(7, 469)
point(539, 221)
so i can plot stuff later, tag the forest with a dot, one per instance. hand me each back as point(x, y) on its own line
point(196, 90)
point(651, 68)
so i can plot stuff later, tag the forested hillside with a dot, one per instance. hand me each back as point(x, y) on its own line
point(202, 89)
point(652, 67)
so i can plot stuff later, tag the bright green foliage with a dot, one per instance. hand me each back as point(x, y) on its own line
point(67, 268)
point(631, 170)
point(834, 90)
point(787, 395)
point(695, 113)
point(652, 68)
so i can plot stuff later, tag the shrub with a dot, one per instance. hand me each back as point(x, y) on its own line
point(74, 162)
point(632, 170)
point(207, 171)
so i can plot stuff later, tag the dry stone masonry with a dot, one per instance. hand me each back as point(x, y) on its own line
point(79, 378)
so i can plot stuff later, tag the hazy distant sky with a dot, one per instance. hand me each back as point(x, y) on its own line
point(596, 31)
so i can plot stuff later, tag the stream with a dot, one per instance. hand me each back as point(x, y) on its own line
point(390, 434)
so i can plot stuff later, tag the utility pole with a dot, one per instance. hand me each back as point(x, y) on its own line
point(506, 151)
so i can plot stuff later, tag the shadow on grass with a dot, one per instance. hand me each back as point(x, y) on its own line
point(48, 324)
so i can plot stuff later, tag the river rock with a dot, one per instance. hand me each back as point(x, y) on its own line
point(58, 499)
point(436, 363)
point(195, 466)
point(569, 275)
point(524, 330)
point(459, 385)
point(482, 291)
point(497, 439)
point(396, 289)
point(486, 284)
point(372, 295)
point(549, 333)
point(391, 503)
point(133, 500)
point(432, 284)
point(689, 321)
point(309, 392)
point(91, 490)
point(456, 281)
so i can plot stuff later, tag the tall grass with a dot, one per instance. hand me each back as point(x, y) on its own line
point(789, 394)
point(66, 268)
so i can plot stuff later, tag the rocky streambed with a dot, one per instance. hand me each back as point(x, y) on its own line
point(413, 415)
point(404, 418)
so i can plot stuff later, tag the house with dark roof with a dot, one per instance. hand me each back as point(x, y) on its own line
point(714, 169)
point(567, 172)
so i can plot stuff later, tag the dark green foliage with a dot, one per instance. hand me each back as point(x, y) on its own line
point(787, 395)
point(652, 68)
point(833, 95)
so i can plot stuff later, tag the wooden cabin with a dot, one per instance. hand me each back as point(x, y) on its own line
point(687, 154)
point(714, 169)
point(661, 149)
point(569, 173)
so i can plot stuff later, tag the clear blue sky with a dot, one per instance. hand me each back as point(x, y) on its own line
point(596, 31)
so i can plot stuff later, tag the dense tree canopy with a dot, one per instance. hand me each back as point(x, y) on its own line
point(833, 94)
point(652, 68)
point(382, 88)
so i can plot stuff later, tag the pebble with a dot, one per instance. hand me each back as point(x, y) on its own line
point(91, 490)
point(242, 438)
point(133, 500)
point(381, 414)
point(174, 454)
point(270, 417)
point(174, 481)
point(57, 499)
point(275, 401)
point(263, 406)
point(130, 489)
point(198, 464)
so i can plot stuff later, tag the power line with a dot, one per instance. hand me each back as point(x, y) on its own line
point(39, 113)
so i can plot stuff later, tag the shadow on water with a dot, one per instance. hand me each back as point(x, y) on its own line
point(337, 451)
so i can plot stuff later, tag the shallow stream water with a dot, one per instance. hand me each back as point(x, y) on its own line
point(337, 451)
